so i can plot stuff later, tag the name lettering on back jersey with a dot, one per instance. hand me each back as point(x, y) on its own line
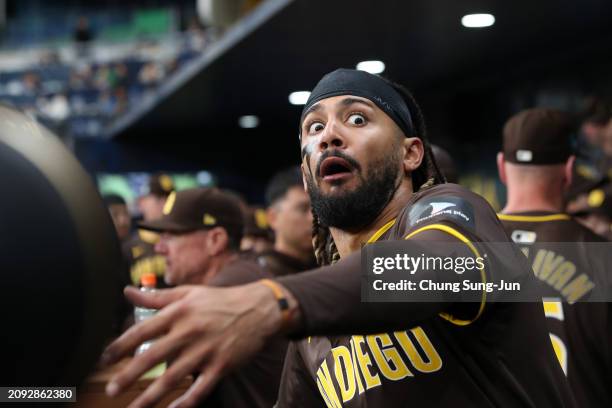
point(561, 274)
point(554, 269)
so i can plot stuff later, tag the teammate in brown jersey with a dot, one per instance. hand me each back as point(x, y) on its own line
point(571, 261)
point(370, 175)
point(200, 234)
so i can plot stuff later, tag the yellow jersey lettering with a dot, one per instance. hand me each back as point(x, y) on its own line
point(537, 262)
point(577, 288)
point(388, 359)
point(553, 308)
point(560, 351)
point(326, 387)
point(371, 380)
point(353, 363)
point(343, 366)
point(562, 275)
point(356, 368)
point(433, 363)
point(549, 263)
point(559, 273)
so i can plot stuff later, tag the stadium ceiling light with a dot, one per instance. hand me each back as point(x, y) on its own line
point(298, 97)
point(478, 20)
point(248, 121)
point(373, 67)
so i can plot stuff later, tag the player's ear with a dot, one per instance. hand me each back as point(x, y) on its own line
point(569, 172)
point(272, 215)
point(413, 151)
point(501, 168)
point(217, 240)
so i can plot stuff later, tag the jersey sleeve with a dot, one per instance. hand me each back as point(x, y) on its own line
point(330, 297)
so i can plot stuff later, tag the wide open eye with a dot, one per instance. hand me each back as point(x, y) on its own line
point(357, 119)
point(315, 127)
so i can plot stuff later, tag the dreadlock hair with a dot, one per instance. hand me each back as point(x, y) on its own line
point(425, 176)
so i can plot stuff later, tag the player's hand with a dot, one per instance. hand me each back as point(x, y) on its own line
point(204, 330)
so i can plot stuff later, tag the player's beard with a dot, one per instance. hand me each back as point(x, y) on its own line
point(355, 209)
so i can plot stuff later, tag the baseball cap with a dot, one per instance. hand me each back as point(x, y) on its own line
point(539, 136)
point(196, 209)
point(160, 184)
point(256, 223)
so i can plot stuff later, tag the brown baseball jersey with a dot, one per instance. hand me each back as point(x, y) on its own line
point(581, 332)
point(282, 264)
point(443, 355)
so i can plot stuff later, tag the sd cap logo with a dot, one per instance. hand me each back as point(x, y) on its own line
point(209, 220)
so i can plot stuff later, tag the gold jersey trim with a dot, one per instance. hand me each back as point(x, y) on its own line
point(534, 218)
point(381, 231)
point(453, 232)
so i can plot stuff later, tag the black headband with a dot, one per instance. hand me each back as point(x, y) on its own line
point(360, 83)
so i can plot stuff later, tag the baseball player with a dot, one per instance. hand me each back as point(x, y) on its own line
point(290, 216)
point(536, 166)
point(201, 231)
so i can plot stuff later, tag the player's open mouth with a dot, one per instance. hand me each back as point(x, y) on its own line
point(334, 169)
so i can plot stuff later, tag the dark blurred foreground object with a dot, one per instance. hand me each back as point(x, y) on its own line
point(60, 260)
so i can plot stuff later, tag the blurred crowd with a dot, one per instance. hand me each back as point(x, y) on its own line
point(81, 93)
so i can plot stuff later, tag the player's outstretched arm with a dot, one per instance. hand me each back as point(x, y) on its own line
point(211, 331)
point(330, 303)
